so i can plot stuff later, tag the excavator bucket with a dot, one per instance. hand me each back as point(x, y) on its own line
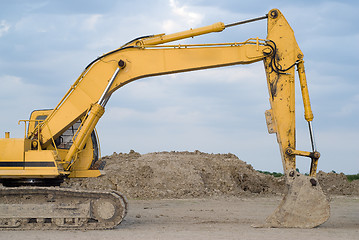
point(304, 205)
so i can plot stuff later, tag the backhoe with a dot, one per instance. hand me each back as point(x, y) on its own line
point(62, 142)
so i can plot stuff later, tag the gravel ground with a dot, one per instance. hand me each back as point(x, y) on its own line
point(213, 218)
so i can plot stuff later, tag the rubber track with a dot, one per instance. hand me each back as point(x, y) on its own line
point(36, 198)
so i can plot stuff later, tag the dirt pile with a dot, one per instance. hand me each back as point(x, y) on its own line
point(180, 175)
point(337, 184)
point(194, 174)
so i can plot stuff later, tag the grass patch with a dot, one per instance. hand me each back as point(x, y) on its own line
point(352, 177)
point(274, 174)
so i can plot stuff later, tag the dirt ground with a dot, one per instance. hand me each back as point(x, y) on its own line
point(195, 195)
point(213, 218)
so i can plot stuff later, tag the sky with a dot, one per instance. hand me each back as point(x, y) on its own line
point(45, 46)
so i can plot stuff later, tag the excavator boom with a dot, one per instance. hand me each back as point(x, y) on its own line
point(84, 104)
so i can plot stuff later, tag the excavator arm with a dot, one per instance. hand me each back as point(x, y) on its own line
point(147, 57)
point(140, 62)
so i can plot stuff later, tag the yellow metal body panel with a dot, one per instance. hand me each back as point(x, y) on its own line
point(37, 115)
point(83, 135)
point(85, 155)
point(21, 162)
point(281, 86)
point(13, 148)
point(84, 173)
point(217, 27)
point(308, 114)
point(42, 155)
point(29, 173)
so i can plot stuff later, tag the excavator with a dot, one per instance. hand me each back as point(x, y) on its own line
point(62, 142)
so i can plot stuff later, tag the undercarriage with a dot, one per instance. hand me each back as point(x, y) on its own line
point(26, 208)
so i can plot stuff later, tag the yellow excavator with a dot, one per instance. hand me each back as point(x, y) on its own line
point(62, 142)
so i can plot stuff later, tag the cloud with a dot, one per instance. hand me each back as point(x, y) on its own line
point(16, 99)
point(335, 147)
point(351, 107)
point(9, 83)
point(183, 17)
point(4, 27)
point(15, 86)
point(91, 21)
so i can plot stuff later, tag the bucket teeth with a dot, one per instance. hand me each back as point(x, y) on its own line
point(304, 205)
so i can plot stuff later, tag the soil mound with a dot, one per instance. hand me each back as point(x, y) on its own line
point(194, 174)
point(180, 175)
point(337, 184)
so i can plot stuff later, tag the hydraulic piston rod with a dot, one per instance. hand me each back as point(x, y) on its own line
point(216, 27)
point(308, 114)
point(246, 21)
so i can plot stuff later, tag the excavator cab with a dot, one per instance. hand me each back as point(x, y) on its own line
point(34, 165)
point(63, 143)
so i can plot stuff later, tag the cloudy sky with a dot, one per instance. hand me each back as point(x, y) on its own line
point(46, 44)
